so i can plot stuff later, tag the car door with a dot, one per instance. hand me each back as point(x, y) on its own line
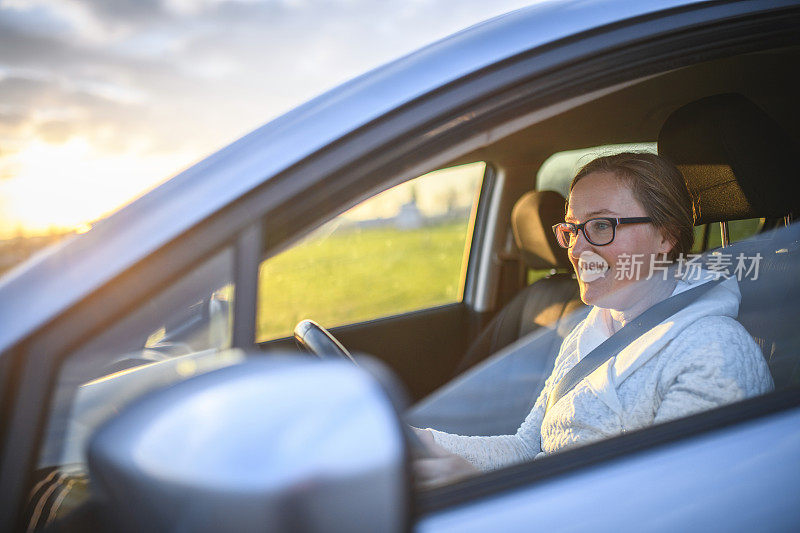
point(731, 475)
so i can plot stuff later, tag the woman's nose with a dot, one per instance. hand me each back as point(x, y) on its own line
point(578, 244)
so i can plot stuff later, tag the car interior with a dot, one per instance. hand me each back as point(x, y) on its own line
point(643, 112)
point(732, 126)
point(734, 158)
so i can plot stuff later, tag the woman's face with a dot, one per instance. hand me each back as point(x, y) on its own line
point(602, 194)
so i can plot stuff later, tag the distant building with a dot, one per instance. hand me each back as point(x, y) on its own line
point(409, 216)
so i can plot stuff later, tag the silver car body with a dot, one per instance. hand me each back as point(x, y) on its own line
point(661, 487)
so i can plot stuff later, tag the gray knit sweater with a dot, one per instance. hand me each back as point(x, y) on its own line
point(698, 359)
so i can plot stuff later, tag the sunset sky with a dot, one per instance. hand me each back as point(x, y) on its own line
point(101, 100)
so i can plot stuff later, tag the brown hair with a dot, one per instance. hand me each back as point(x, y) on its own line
point(656, 184)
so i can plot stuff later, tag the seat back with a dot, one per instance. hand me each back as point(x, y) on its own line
point(738, 163)
point(544, 303)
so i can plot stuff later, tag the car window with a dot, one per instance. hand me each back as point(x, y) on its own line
point(399, 251)
point(709, 236)
point(182, 331)
point(557, 171)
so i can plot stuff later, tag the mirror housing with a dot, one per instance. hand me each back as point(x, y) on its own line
point(290, 444)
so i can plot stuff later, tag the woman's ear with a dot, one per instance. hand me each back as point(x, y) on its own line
point(667, 243)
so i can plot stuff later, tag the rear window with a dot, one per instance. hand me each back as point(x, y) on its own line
point(557, 171)
point(709, 236)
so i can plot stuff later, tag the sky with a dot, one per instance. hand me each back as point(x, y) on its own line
point(102, 100)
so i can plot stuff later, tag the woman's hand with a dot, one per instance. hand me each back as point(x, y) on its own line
point(439, 467)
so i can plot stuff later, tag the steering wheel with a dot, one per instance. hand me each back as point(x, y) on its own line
point(317, 340)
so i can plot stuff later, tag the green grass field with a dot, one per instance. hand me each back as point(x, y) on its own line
point(358, 275)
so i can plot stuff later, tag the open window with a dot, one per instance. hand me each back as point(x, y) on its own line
point(403, 250)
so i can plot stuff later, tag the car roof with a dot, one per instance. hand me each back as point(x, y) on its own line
point(59, 277)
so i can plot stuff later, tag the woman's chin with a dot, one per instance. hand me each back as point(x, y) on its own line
point(597, 293)
point(591, 293)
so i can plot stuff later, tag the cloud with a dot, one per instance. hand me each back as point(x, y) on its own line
point(19, 47)
point(147, 79)
point(225, 65)
point(54, 111)
point(126, 11)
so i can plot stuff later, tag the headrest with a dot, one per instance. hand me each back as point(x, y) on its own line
point(532, 220)
point(736, 160)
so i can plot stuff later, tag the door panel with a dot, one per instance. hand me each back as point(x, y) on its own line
point(732, 479)
point(423, 348)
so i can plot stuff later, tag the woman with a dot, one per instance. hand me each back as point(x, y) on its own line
point(627, 228)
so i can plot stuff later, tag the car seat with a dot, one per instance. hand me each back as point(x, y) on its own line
point(512, 357)
point(546, 301)
point(738, 163)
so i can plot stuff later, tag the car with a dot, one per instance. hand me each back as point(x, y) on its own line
point(149, 377)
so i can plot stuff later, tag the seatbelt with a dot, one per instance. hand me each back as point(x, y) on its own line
point(622, 338)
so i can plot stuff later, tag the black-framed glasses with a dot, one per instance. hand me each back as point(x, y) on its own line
point(598, 231)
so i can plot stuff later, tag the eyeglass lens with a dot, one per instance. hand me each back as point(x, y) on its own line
point(599, 232)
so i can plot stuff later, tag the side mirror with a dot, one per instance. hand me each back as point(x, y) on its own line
point(265, 445)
